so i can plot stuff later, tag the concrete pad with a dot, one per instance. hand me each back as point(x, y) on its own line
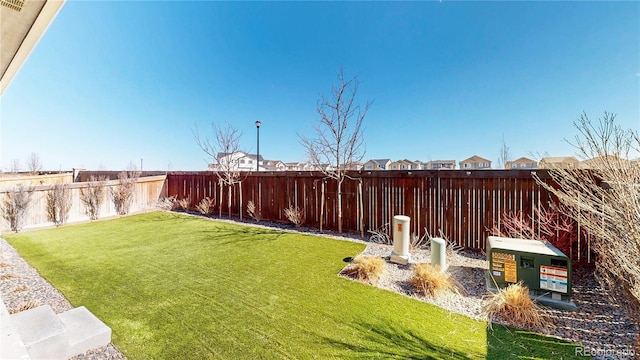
point(12, 346)
point(42, 332)
point(86, 331)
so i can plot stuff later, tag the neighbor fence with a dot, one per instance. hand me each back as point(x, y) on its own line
point(147, 192)
point(461, 205)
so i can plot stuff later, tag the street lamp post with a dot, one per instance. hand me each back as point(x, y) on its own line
point(258, 145)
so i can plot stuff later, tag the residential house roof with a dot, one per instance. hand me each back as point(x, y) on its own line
point(381, 162)
point(475, 159)
point(559, 160)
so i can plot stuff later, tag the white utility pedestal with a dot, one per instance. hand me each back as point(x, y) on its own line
point(400, 254)
point(439, 253)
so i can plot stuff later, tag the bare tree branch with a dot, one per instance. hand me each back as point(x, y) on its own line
point(33, 163)
point(224, 147)
point(504, 156)
point(605, 199)
point(339, 137)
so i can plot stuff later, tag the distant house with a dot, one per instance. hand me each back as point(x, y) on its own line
point(355, 165)
point(274, 165)
point(475, 163)
point(521, 163)
point(561, 162)
point(440, 165)
point(401, 165)
point(236, 161)
point(605, 161)
point(294, 166)
point(377, 164)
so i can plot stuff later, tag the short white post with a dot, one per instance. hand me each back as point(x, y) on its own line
point(439, 253)
point(400, 254)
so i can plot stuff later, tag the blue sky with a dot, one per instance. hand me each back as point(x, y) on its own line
point(119, 81)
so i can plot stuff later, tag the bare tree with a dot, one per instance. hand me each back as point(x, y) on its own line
point(58, 204)
point(92, 196)
point(15, 204)
point(504, 156)
point(122, 193)
point(15, 166)
point(605, 200)
point(33, 163)
point(224, 148)
point(339, 134)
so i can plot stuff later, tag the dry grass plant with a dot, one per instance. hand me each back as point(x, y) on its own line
point(166, 203)
point(20, 289)
point(205, 206)
point(513, 305)
point(366, 268)
point(295, 215)
point(184, 203)
point(429, 280)
point(25, 306)
point(253, 212)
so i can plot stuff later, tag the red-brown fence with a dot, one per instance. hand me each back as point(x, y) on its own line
point(462, 204)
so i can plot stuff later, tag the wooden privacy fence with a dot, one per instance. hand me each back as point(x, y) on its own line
point(462, 204)
point(147, 192)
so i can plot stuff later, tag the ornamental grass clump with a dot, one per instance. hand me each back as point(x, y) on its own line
point(429, 280)
point(514, 306)
point(366, 268)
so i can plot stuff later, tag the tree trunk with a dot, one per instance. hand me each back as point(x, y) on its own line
point(229, 201)
point(220, 201)
point(321, 204)
point(340, 206)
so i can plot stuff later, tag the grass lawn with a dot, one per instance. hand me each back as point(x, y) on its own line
point(173, 286)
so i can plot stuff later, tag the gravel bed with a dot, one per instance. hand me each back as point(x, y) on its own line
point(21, 285)
point(601, 326)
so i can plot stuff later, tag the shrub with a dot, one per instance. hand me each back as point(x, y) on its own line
point(58, 204)
point(166, 203)
point(205, 206)
point(381, 235)
point(553, 225)
point(366, 268)
point(122, 194)
point(294, 214)
point(254, 213)
point(184, 203)
point(428, 280)
point(92, 196)
point(513, 305)
point(15, 204)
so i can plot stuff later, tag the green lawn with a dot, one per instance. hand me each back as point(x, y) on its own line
point(172, 286)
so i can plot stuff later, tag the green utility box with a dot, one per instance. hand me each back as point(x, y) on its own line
point(544, 269)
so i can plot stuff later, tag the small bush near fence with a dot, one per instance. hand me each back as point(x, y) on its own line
point(551, 224)
point(122, 194)
point(253, 212)
point(92, 196)
point(205, 206)
point(58, 204)
point(295, 215)
point(15, 205)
